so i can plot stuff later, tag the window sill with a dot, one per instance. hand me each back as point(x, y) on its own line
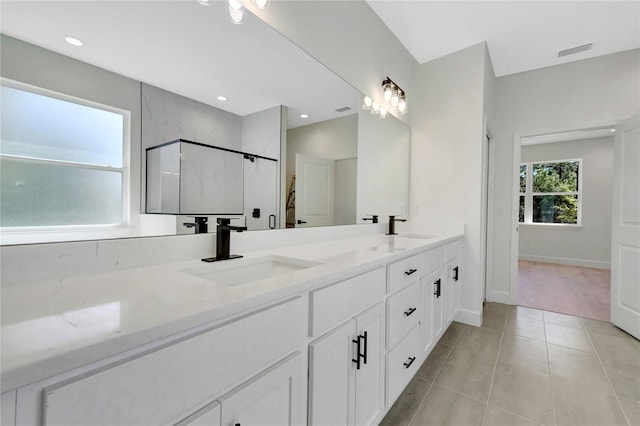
point(563, 226)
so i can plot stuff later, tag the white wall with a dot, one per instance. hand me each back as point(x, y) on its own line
point(447, 136)
point(345, 191)
point(575, 95)
point(589, 245)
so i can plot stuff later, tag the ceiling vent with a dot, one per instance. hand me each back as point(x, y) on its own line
point(573, 50)
point(343, 109)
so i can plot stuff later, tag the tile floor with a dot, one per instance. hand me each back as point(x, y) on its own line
point(572, 290)
point(525, 367)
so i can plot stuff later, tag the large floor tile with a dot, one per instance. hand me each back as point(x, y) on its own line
point(466, 411)
point(632, 410)
point(525, 327)
point(578, 366)
point(497, 417)
point(467, 373)
point(453, 333)
point(567, 336)
point(436, 407)
point(431, 367)
point(562, 319)
point(408, 401)
point(526, 313)
point(621, 360)
point(494, 315)
point(602, 327)
point(523, 392)
point(524, 352)
point(480, 341)
point(580, 405)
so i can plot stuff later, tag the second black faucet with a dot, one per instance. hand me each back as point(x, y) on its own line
point(392, 225)
point(223, 238)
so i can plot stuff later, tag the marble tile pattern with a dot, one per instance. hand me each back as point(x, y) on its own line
point(543, 368)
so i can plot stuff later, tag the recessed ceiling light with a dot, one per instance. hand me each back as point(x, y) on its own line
point(205, 2)
point(304, 115)
point(612, 130)
point(221, 98)
point(74, 41)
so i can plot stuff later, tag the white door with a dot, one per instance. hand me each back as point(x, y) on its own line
point(331, 377)
point(276, 397)
point(370, 376)
point(314, 191)
point(625, 239)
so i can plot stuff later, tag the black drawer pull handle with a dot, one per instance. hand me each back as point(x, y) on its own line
point(357, 360)
point(364, 356)
point(410, 271)
point(408, 364)
point(455, 273)
point(410, 311)
point(438, 290)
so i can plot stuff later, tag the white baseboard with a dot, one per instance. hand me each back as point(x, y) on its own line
point(598, 264)
point(500, 297)
point(466, 316)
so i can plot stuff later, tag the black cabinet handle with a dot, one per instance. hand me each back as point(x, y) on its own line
point(357, 360)
point(455, 273)
point(410, 271)
point(237, 424)
point(438, 289)
point(410, 311)
point(272, 221)
point(364, 357)
point(300, 222)
point(408, 364)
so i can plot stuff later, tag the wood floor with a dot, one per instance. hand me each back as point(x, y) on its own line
point(571, 290)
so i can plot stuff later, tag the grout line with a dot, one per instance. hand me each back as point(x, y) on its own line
point(613, 391)
point(495, 368)
point(546, 345)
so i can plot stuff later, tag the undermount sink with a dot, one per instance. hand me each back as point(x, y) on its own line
point(243, 271)
point(418, 236)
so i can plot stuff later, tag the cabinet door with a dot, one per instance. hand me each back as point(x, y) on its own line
point(435, 287)
point(454, 272)
point(332, 377)
point(427, 296)
point(275, 397)
point(370, 376)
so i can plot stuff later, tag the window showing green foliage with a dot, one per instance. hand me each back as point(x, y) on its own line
point(552, 193)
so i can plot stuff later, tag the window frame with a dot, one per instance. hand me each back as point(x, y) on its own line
point(29, 234)
point(529, 194)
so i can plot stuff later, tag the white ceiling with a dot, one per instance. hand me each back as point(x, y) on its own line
point(521, 35)
point(189, 49)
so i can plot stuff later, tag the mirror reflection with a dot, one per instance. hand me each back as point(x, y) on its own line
point(243, 88)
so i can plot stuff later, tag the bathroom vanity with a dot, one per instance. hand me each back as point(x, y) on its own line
point(323, 333)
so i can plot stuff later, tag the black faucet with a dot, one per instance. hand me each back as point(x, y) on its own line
point(373, 218)
point(392, 225)
point(223, 237)
point(200, 224)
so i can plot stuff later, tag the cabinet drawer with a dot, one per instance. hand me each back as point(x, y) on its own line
point(334, 304)
point(403, 312)
point(433, 259)
point(163, 385)
point(451, 251)
point(402, 364)
point(405, 272)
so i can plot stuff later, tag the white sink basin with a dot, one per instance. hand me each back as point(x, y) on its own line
point(418, 236)
point(243, 271)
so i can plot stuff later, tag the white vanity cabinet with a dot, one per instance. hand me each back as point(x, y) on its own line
point(207, 416)
point(275, 397)
point(171, 383)
point(8, 409)
point(451, 281)
point(346, 372)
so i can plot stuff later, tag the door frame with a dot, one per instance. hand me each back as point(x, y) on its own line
point(486, 219)
point(515, 205)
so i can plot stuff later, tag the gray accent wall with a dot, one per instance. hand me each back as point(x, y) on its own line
point(589, 245)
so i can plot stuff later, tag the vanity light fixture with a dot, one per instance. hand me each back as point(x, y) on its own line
point(74, 41)
point(394, 97)
point(221, 98)
point(383, 112)
point(366, 103)
point(235, 12)
point(375, 108)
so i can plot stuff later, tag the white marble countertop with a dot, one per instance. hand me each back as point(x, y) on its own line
point(54, 326)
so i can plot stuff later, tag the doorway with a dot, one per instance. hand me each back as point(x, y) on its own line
point(563, 234)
